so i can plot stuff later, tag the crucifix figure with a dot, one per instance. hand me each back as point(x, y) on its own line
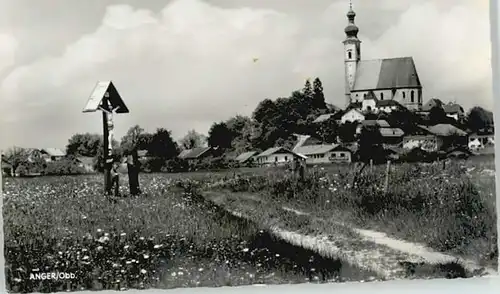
point(110, 169)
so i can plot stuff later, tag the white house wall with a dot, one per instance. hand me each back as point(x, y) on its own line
point(276, 158)
point(352, 116)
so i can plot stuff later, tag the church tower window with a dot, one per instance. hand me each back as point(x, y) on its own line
point(404, 95)
point(349, 55)
point(412, 96)
point(381, 96)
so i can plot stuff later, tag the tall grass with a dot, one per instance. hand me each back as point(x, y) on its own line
point(450, 208)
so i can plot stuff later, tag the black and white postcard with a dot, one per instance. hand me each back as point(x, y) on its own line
point(206, 143)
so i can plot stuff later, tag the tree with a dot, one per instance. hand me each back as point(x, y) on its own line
point(437, 115)
point(162, 145)
point(318, 96)
point(135, 139)
point(308, 91)
point(16, 156)
point(479, 119)
point(370, 144)
point(328, 131)
point(192, 140)
point(242, 129)
point(220, 135)
point(347, 132)
point(86, 144)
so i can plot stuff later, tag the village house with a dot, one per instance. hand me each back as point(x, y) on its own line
point(246, 157)
point(352, 115)
point(33, 154)
point(195, 154)
point(481, 141)
point(277, 156)
point(454, 111)
point(392, 136)
point(369, 103)
point(389, 106)
point(371, 123)
point(323, 118)
point(437, 137)
point(52, 154)
point(324, 153)
point(434, 102)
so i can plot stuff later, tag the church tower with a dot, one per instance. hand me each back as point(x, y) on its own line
point(352, 53)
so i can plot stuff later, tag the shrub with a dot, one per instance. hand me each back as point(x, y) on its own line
point(63, 167)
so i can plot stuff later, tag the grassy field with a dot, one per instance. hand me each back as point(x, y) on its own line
point(451, 208)
point(167, 238)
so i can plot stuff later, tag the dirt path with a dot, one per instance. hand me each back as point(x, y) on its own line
point(426, 253)
point(372, 250)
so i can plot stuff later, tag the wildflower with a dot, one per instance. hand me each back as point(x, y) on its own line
point(143, 271)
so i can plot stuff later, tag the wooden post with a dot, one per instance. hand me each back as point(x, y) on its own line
point(106, 164)
point(386, 183)
point(371, 165)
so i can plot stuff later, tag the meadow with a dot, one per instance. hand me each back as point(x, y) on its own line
point(450, 207)
point(166, 238)
point(171, 236)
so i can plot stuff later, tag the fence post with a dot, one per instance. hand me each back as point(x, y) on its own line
point(371, 164)
point(386, 183)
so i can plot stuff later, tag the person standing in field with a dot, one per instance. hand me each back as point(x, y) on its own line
point(115, 178)
point(133, 172)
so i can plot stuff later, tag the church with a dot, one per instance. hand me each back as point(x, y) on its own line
point(380, 79)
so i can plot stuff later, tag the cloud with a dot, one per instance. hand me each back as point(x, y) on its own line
point(8, 45)
point(192, 64)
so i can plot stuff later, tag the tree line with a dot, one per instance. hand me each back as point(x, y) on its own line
point(272, 123)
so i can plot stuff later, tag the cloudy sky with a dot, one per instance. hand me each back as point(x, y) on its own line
point(184, 64)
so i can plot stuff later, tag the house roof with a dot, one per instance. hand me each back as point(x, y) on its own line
point(452, 108)
point(245, 156)
point(353, 105)
point(381, 123)
point(142, 153)
point(355, 111)
point(54, 151)
point(391, 132)
point(332, 107)
point(445, 130)
point(184, 153)
point(273, 150)
point(314, 149)
point(387, 103)
point(323, 117)
point(387, 73)
point(193, 153)
point(431, 103)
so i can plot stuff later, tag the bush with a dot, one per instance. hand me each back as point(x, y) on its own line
point(63, 167)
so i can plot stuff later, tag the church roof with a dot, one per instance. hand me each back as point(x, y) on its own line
point(387, 73)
